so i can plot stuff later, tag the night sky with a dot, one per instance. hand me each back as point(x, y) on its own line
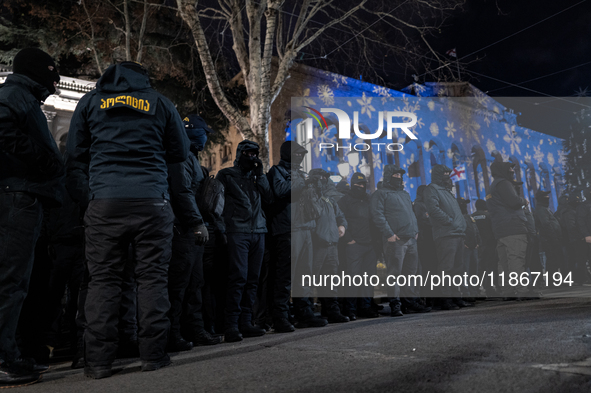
point(563, 41)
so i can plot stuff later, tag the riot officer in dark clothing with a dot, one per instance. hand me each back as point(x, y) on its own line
point(30, 169)
point(186, 264)
point(359, 254)
point(123, 134)
point(577, 246)
point(472, 242)
point(449, 229)
point(391, 210)
point(532, 254)
point(287, 183)
point(509, 223)
point(487, 254)
point(425, 242)
point(246, 187)
point(330, 227)
point(549, 232)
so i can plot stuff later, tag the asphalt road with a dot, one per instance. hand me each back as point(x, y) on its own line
point(535, 346)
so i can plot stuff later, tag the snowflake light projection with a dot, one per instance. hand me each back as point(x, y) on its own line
point(326, 94)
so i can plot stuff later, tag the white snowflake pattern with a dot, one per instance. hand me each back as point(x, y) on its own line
point(326, 94)
point(328, 136)
point(490, 146)
point(551, 159)
point(382, 92)
point(304, 99)
point(561, 157)
point(340, 80)
point(505, 155)
point(434, 129)
point(527, 157)
point(450, 129)
point(410, 160)
point(377, 161)
point(366, 107)
point(431, 105)
point(538, 154)
point(512, 138)
point(470, 125)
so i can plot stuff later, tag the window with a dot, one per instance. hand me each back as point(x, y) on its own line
point(226, 153)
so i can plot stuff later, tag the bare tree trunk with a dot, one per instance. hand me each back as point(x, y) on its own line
point(140, 41)
point(127, 30)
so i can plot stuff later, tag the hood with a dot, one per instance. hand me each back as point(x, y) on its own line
point(420, 192)
point(500, 169)
point(563, 200)
point(242, 147)
point(343, 186)
point(438, 174)
point(38, 91)
point(289, 147)
point(481, 205)
point(390, 169)
point(119, 78)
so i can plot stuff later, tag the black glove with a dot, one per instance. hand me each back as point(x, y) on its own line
point(201, 234)
point(258, 170)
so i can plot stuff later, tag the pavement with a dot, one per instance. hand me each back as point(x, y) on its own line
point(531, 346)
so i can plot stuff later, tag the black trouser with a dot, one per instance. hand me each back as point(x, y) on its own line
point(427, 251)
point(450, 255)
point(111, 226)
point(402, 258)
point(489, 262)
point(245, 256)
point(532, 254)
point(264, 300)
point(361, 259)
point(67, 270)
point(554, 256)
point(215, 265)
point(282, 282)
point(326, 262)
point(20, 226)
point(301, 258)
point(180, 270)
point(192, 316)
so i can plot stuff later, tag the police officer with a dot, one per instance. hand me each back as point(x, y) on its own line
point(472, 242)
point(509, 224)
point(30, 169)
point(487, 254)
point(391, 211)
point(449, 229)
point(123, 134)
point(246, 188)
point(359, 254)
point(549, 231)
point(287, 183)
point(330, 227)
point(425, 242)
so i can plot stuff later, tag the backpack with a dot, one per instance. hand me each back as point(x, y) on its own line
point(211, 196)
point(308, 205)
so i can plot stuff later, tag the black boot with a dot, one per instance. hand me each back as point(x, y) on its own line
point(12, 377)
point(78, 360)
point(282, 325)
point(395, 309)
point(249, 330)
point(202, 337)
point(178, 344)
point(232, 335)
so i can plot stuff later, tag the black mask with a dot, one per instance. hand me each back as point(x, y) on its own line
point(396, 183)
point(448, 183)
point(543, 201)
point(358, 192)
point(35, 63)
point(297, 159)
point(198, 138)
point(247, 163)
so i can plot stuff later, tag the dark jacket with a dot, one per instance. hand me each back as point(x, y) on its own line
point(547, 225)
point(420, 210)
point(530, 225)
point(472, 238)
point(123, 134)
point(444, 212)
point(331, 191)
point(559, 215)
point(29, 158)
point(504, 204)
point(584, 218)
point(184, 179)
point(244, 194)
point(357, 213)
point(484, 223)
point(331, 217)
point(286, 183)
point(570, 221)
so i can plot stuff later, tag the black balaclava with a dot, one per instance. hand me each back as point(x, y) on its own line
point(292, 152)
point(543, 198)
point(481, 204)
point(358, 186)
point(463, 205)
point(319, 179)
point(391, 182)
point(246, 162)
point(34, 63)
point(503, 170)
point(197, 131)
point(439, 177)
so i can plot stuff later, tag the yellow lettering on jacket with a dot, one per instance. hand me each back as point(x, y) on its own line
point(129, 101)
